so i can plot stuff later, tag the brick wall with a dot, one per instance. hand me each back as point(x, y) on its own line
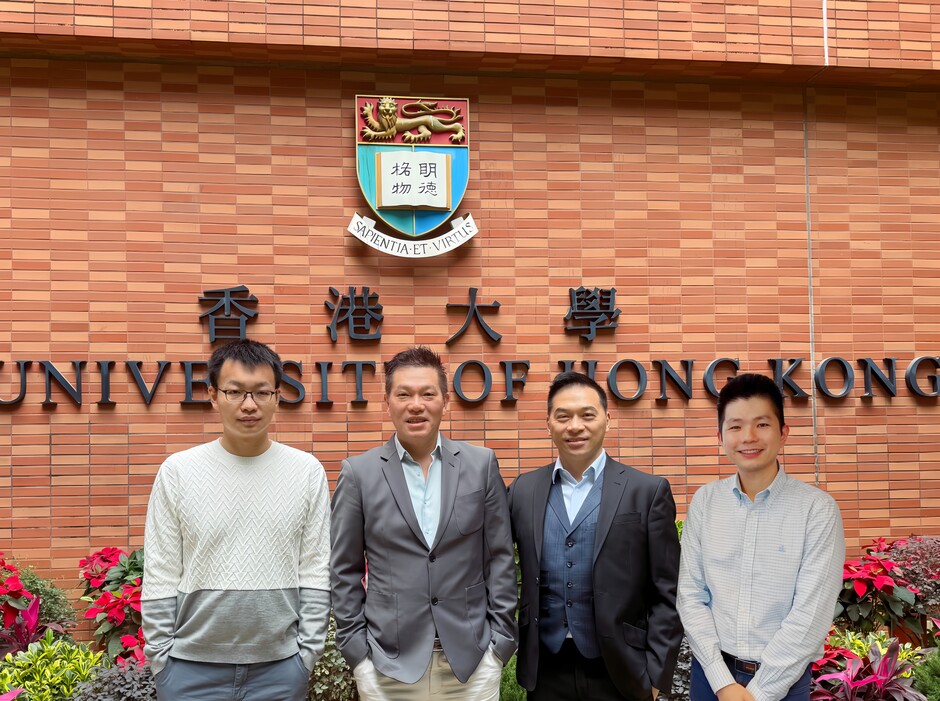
point(749, 221)
point(809, 32)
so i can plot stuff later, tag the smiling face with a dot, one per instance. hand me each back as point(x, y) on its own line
point(245, 423)
point(751, 436)
point(416, 406)
point(577, 423)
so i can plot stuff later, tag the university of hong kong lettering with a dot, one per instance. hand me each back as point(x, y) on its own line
point(474, 381)
point(413, 165)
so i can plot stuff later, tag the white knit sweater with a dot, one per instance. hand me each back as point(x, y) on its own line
point(236, 555)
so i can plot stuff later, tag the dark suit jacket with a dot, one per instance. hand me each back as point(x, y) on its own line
point(463, 586)
point(636, 568)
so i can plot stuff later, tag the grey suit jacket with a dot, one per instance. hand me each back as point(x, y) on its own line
point(463, 586)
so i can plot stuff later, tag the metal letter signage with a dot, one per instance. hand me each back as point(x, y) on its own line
point(413, 165)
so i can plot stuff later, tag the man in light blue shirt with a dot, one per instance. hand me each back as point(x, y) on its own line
point(761, 566)
point(429, 517)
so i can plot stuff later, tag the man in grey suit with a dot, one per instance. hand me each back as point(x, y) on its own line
point(600, 562)
point(428, 519)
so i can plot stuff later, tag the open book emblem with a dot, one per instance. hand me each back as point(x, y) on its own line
point(412, 160)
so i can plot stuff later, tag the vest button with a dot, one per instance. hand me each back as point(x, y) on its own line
point(569, 603)
point(570, 585)
point(570, 564)
point(570, 543)
point(434, 601)
point(432, 557)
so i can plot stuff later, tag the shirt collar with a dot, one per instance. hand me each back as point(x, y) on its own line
point(594, 470)
point(765, 494)
point(402, 452)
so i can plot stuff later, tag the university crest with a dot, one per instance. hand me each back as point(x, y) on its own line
point(413, 165)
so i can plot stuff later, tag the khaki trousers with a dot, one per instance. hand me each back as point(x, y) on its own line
point(437, 684)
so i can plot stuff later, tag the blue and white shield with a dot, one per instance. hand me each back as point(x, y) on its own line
point(412, 159)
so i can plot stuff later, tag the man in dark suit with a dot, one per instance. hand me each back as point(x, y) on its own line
point(600, 561)
point(429, 517)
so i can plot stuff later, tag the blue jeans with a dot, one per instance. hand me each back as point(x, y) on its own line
point(701, 690)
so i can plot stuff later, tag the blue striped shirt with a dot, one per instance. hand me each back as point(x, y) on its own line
point(759, 580)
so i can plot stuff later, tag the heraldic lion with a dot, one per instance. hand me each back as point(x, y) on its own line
point(419, 116)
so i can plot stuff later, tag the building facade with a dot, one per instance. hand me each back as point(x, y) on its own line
point(664, 192)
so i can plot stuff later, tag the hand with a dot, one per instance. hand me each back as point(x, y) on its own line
point(655, 693)
point(734, 692)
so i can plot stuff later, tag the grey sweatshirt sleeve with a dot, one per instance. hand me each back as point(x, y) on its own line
point(314, 620)
point(163, 569)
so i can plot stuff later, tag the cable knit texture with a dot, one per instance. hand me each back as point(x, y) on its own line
point(235, 550)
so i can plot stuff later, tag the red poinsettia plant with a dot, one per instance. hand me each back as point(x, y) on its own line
point(875, 594)
point(13, 595)
point(94, 568)
point(112, 580)
point(133, 650)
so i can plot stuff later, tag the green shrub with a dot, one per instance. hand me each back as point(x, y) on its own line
point(509, 689)
point(54, 606)
point(332, 680)
point(927, 677)
point(49, 670)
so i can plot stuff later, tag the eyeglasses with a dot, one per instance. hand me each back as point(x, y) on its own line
point(260, 396)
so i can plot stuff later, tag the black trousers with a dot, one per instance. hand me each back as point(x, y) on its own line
point(570, 676)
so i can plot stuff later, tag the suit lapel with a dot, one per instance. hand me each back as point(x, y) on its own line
point(615, 481)
point(391, 466)
point(540, 493)
point(450, 474)
point(556, 502)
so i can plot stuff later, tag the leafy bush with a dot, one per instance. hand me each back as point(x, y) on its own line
point(874, 677)
point(860, 644)
point(130, 683)
point(112, 580)
point(49, 670)
point(682, 679)
point(54, 606)
point(26, 629)
point(927, 677)
point(332, 680)
point(874, 594)
point(919, 559)
point(509, 689)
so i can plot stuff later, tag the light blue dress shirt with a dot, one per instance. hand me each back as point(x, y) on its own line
point(573, 491)
point(425, 494)
point(759, 580)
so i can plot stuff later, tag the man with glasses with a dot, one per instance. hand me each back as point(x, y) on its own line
point(236, 584)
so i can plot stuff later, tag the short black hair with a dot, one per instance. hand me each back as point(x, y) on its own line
point(568, 379)
point(249, 353)
point(417, 357)
point(746, 386)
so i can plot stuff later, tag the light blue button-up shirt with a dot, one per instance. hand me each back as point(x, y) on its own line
point(759, 580)
point(574, 491)
point(425, 494)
